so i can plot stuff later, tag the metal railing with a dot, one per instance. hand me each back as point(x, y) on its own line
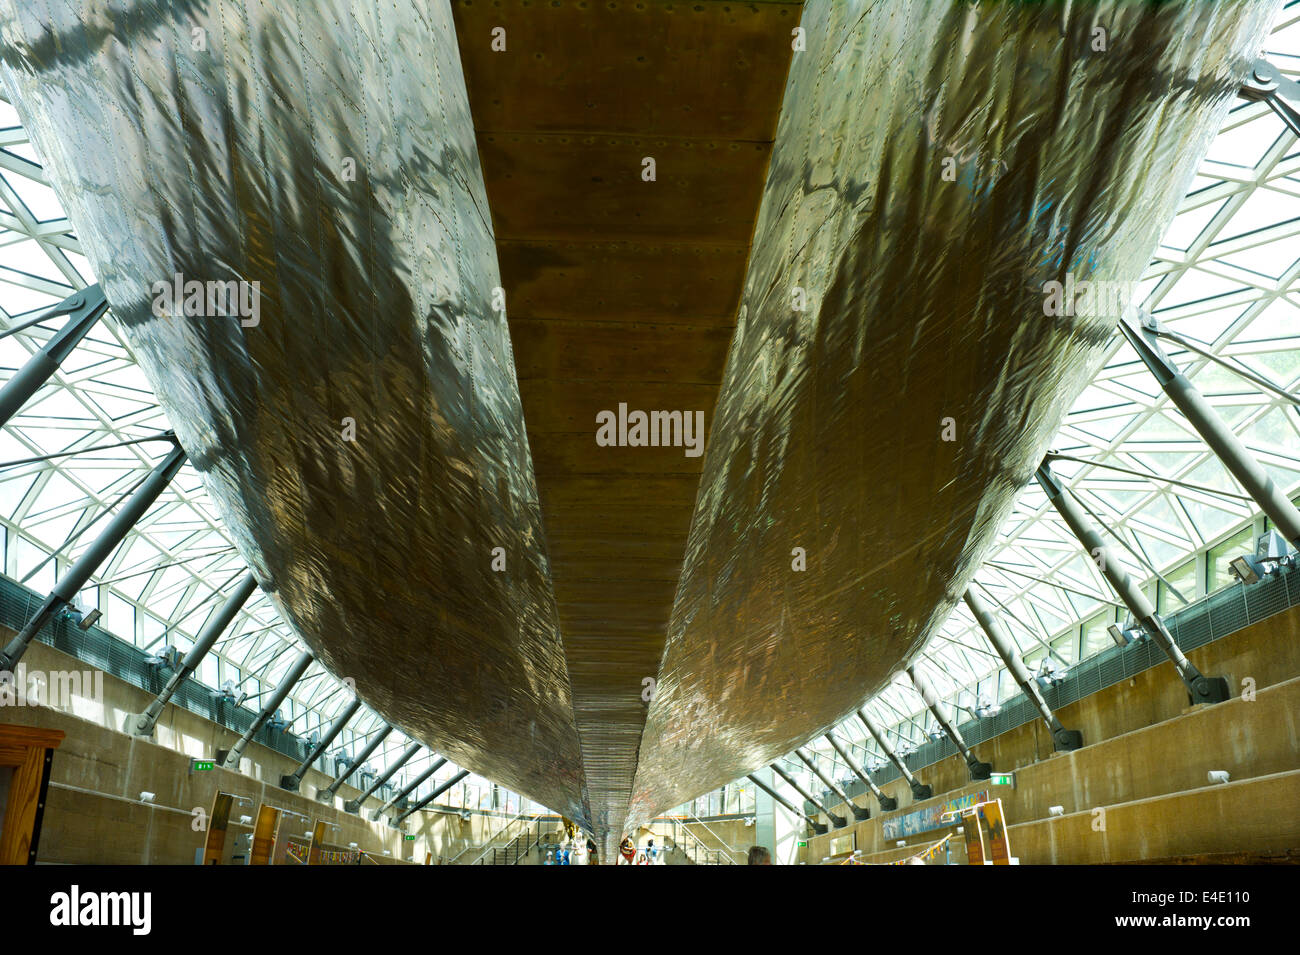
point(493, 840)
point(696, 847)
point(517, 848)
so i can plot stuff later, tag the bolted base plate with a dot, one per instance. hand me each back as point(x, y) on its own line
point(132, 726)
point(1067, 740)
point(1208, 689)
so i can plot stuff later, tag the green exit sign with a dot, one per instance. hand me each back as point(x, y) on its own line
point(410, 838)
point(804, 844)
point(1003, 779)
point(203, 765)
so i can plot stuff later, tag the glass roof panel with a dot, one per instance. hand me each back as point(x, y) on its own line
point(1226, 276)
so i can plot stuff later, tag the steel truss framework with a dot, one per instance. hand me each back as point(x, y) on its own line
point(1226, 279)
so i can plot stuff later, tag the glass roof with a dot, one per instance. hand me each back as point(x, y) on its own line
point(1226, 279)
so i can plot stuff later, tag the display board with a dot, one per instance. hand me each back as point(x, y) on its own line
point(974, 833)
point(993, 828)
point(214, 846)
point(26, 753)
point(931, 817)
point(265, 831)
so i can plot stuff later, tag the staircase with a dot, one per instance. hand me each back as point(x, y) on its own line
point(685, 847)
point(517, 848)
point(538, 835)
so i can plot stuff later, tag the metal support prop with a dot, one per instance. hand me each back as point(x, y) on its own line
point(1200, 688)
point(85, 308)
point(887, 803)
point(294, 779)
point(354, 805)
point(978, 770)
point(142, 724)
point(79, 573)
point(859, 812)
point(436, 765)
point(817, 827)
point(1226, 446)
point(1063, 739)
point(919, 790)
point(330, 791)
point(231, 758)
point(839, 822)
point(1266, 84)
point(438, 791)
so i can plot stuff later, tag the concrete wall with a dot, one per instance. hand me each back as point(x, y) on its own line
point(1138, 789)
point(1145, 764)
point(94, 813)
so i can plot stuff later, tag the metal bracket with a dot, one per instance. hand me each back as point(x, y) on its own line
point(1267, 85)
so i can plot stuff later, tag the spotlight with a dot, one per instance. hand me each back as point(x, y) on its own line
point(1271, 546)
point(1048, 675)
point(1218, 776)
point(245, 820)
point(146, 797)
point(88, 620)
point(1056, 810)
point(1246, 569)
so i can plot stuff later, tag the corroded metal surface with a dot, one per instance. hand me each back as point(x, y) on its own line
point(325, 151)
point(620, 291)
point(925, 301)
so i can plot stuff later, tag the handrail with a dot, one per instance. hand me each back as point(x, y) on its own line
point(490, 844)
point(697, 843)
point(727, 851)
point(726, 845)
point(532, 839)
point(513, 851)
